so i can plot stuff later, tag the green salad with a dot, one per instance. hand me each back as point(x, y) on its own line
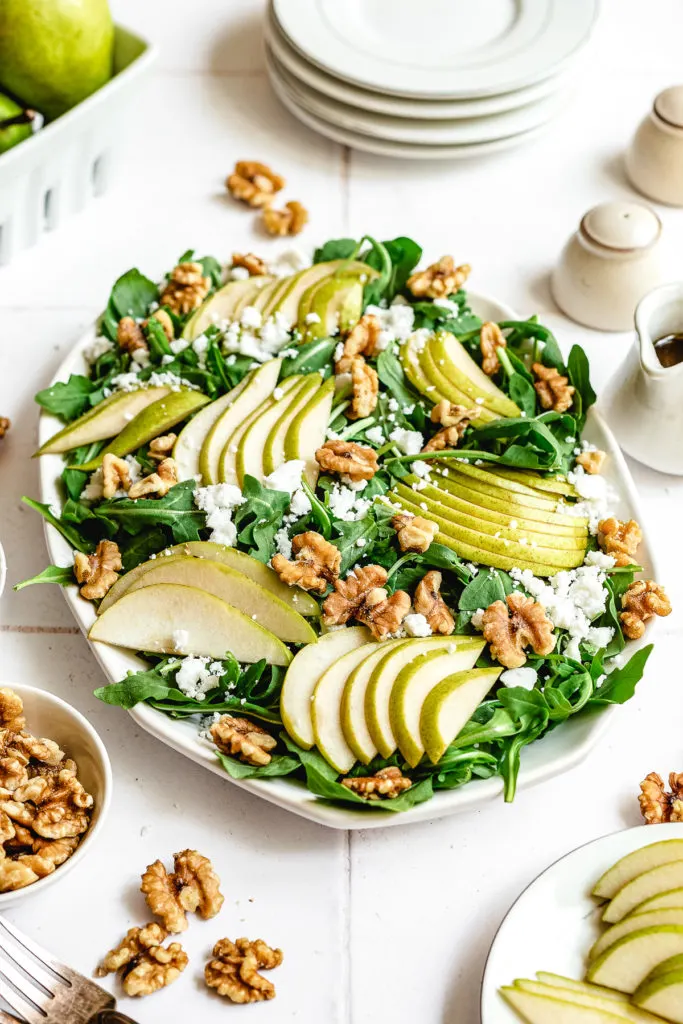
point(353, 529)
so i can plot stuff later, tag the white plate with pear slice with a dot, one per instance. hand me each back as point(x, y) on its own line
point(555, 754)
point(556, 920)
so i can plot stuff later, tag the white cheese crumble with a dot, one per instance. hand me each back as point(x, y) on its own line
point(196, 676)
point(375, 435)
point(596, 498)
point(99, 346)
point(416, 625)
point(396, 322)
point(140, 356)
point(283, 544)
point(525, 677)
point(289, 261)
point(599, 558)
point(131, 382)
point(410, 442)
point(345, 504)
point(251, 317)
point(300, 504)
point(312, 318)
point(180, 639)
point(252, 337)
point(199, 346)
point(286, 477)
point(238, 274)
point(218, 501)
point(178, 345)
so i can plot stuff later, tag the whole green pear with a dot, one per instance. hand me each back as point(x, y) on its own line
point(54, 53)
point(13, 133)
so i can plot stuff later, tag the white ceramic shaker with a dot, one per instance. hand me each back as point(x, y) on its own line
point(654, 162)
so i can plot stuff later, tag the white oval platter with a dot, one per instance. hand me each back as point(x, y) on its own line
point(322, 84)
point(555, 754)
point(555, 921)
point(461, 50)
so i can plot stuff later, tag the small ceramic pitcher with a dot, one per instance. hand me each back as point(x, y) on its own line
point(643, 402)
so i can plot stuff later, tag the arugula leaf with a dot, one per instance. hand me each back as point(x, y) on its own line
point(531, 330)
point(212, 269)
point(176, 510)
point(278, 765)
point(620, 684)
point(74, 536)
point(579, 377)
point(156, 339)
point(405, 254)
point(260, 517)
point(411, 567)
point(314, 355)
point(134, 689)
point(336, 249)
point(139, 547)
point(73, 479)
point(67, 400)
point(63, 575)
point(485, 588)
point(132, 295)
point(390, 372)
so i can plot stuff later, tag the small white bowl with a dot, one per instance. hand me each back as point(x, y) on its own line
point(51, 717)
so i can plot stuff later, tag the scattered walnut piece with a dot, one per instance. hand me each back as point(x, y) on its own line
point(518, 623)
point(129, 335)
point(349, 594)
point(346, 458)
point(161, 896)
point(254, 183)
point(241, 738)
point(620, 539)
point(316, 563)
point(157, 484)
point(233, 971)
point(383, 614)
point(439, 280)
point(115, 475)
point(251, 262)
point(591, 460)
point(146, 966)
point(186, 288)
point(457, 419)
point(365, 383)
point(387, 783)
point(135, 941)
point(166, 323)
point(289, 221)
point(656, 805)
point(4, 425)
point(491, 338)
point(161, 447)
point(414, 532)
point(98, 572)
point(429, 602)
point(554, 391)
point(193, 886)
point(361, 340)
point(642, 600)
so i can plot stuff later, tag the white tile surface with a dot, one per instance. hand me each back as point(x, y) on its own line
point(404, 935)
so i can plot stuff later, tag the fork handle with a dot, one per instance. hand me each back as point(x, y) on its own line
point(111, 1017)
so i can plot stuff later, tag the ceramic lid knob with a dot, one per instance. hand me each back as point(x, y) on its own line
point(622, 226)
point(669, 105)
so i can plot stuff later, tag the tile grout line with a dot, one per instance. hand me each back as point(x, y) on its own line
point(54, 630)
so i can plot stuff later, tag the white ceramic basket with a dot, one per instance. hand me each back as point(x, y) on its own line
point(56, 172)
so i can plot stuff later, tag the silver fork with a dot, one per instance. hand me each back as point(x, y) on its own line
point(41, 990)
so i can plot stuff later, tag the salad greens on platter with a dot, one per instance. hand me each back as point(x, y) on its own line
point(189, 445)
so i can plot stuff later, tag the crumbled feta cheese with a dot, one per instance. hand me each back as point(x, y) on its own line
point(283, 544)
point(238, 274)
point(396, 322)
point(422, 469)
point(180, 639)
point(596, 494)
point(289, 261)
point(572, 600)
point(195, 678)
point(312, 318)
point(300, 504)
point(278, 393)
point(251, 317)
point(140, 356)
point(199, 346)
point(361, 542)
point(286, 477)
point(94, 488)
point(338, 353)
point(525, 677)
point(448, 305)
point(411, 442)
point(393, 405)
point(218, 496)
point(99, 346)
point(168, 380)
point(416, 625)
point(600, 559)
point(166, 359)
point(223, 530)
point(375, 435)
point(178, 345)
point(345, 504)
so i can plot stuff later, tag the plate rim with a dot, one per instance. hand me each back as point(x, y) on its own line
point(555, 12)
point(286, 793)
point(674, 830)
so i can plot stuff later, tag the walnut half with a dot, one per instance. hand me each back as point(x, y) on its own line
point(387, 783)
point(346, 458)
point(241, 738)
point(512, 626)
point(429, 602)
point(554, 391)
point(414, 532)
point(642, 600)
point(186, 288)
point(316, 563)
point(193, 887)
point(656, 805)
point(145, 965)
point(439, 280)
point(234, 970)
point(619, 539)
point(98, 572)
point(289, 221)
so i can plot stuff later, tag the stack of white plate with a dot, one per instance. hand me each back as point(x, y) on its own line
point(425, 78)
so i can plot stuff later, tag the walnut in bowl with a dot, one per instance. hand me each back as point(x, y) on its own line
point(55, 788)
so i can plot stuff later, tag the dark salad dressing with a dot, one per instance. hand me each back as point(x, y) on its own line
point(669, 349)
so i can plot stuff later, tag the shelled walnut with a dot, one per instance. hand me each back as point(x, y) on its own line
point(591, 460)
point(620, 539)
point(387, 783)
point(439, 280)
point(4, 425)
point(234, 970)
point(316, 563)
point(511, 626)
point(241, 738)
point(145, 965)
point(491, 338)
point(361, 340)
point(346, 458)
point(414, 533)
point(157, 484)
point(365, 389)
point(289, 221)
point(192, 887)
point(253, 264)
point(428, 601)
point(254, 183)
point(458, 419)
point(44, 809)
point(554, 391)
point(658, 806)
point(363, 597)
point(186, 289)
point(98, 572)
point(641, 600)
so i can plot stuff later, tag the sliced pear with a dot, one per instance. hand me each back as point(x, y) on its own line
point(458, 365)
point(287, 303)
point(542, 1009)
point(643, 887)
point(438, 378)
point(633, 923)
point(222, 304)
point(107, 419)
point(250, 448)
point(274, 454)
point(326, 709)
point(413, 685)
point(378, 692)
point(150, 422)
point(232, 459)
point(591, 999)
point(336, 302)
point(260, 385)
point(511, 482)
point(553, 484)
point(191, 438)
point(409, 357)
point(663, 901)
point(307, 431)
point(248, 298)
point(263, 298)
point(297, 599)
point(354, 725)
point(230, 586)
point(303, 675)
point(450, 705)
point(172, 619)
point(496, 552)
point(643, 859)
point(662, 991)
point(494, 505)
point(560, 981)
point(627, 963)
